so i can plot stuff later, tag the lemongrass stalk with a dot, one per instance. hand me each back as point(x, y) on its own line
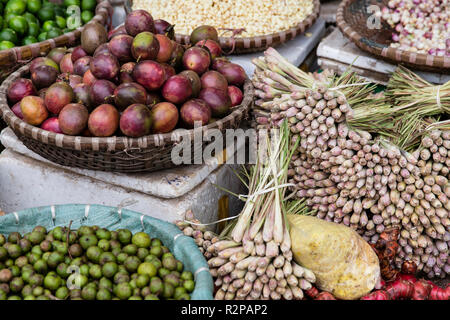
point(270, 271)
point(278, 262)
point(297, 270)
point(287, 268)
point(292, 280)
point(235, 258)
point(278, 230)
point(220, 295)
point(257, 224)
point(237, 274)
point(297, 292)
point(258, 238)
point(305, 284)
point(272, 249)
point(217, 262)
point(268, 225)
point(213, 272)
point(286, 243)
point(309, 275)
point(227, 253)
point(229, 296)
point(260, 271)
point(243, 264)
point(238, 283)
point(247, 287)
point(250, 276)
point(263, 262)
point(253, 265)
point(222, 245)
point(226, 269)
point(266, 291)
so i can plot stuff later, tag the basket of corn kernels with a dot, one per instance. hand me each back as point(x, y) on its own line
point(244, 26)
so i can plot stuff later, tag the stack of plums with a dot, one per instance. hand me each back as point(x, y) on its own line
point(133, 81)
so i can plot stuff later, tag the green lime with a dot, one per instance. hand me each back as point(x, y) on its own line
point(34, 6)
point(19, 25)
point(48, 4)
point(62, 293)
point(42, 36)
point(48, 25)
point(8, 16)
point(8, 35)
point(52, 282)
point(16, 6)
point(141, 239)
point(88, 4)
point(46, 14)
point(6, 45)
point(86, 16)
point(60, 11)
point(29, 40)
point(103, 294)
point(60, 21)
point(30, 18)
point(53, 33)
point(33, 29)
point(147, 268)
point(68, 3)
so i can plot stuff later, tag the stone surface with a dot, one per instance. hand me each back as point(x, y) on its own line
point(328, 10)
point(170, 183)
point(337, 53)
point(27, 183)
point(295, 51)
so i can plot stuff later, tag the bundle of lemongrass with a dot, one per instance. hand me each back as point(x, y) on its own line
point(256, 261)
point(351, 175)
point(415, 105)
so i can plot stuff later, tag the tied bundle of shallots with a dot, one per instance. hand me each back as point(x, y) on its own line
point(351, 176)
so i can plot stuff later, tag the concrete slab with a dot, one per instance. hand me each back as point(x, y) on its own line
point(169, 184)
point(27, 183)
point(336, 51)
point(295, 51)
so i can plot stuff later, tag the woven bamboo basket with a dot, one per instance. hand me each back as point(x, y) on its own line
point(253, 44)
point(14, 58)
point(115, 154)
point(352, 17)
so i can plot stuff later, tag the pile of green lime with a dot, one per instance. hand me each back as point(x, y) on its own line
point(23, 22)
point(90, 263)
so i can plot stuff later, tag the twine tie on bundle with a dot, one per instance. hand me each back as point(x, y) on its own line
point(242, 197)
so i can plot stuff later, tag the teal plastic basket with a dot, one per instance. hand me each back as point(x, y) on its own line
point(184, 248)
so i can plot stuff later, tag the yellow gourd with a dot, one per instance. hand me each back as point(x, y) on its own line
point(344, 264)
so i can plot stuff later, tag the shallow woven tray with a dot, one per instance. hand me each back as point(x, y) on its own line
point(351, 19)
point(116, 154)
point(253, 44)
point(12, 59)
